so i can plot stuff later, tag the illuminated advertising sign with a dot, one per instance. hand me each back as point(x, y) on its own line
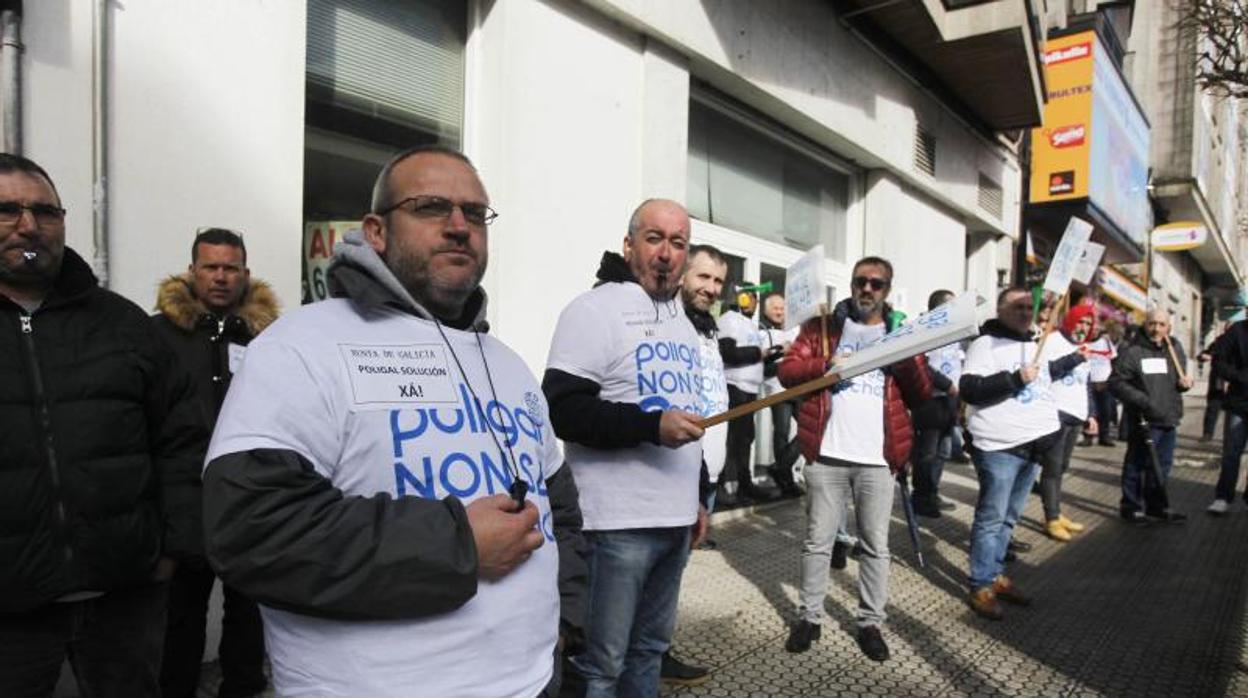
point(1094, 141)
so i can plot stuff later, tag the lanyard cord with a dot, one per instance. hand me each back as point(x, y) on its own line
point(519, 488)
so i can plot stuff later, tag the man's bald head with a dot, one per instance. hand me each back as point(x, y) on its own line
point(1157, 324)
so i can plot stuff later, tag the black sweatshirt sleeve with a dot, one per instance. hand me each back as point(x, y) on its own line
point(565, 512)
point(1059, 368)
point(982, 391)
point(283, 535)
point(578, 415)
point(940, 381)
point(734, 355)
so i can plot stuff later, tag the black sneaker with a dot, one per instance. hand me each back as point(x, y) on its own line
point(872, 644)
point(801, 635)
point(840, 555)
point(924, 507)
point(1171, 517)
point(1134, 516)
point(1019, 546)
point(677, 673)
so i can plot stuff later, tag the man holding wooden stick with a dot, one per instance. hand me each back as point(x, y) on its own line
point(856, 436)
point(1149, 380)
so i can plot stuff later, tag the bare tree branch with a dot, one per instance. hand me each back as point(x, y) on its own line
point(1221, 56)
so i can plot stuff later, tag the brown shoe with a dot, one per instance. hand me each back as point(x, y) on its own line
point(984, 602)
point(1005, 590)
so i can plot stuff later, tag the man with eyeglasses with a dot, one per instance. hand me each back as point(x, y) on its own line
point(856, 438)
point(207, 316)
point(384, 479)
point(99, 481)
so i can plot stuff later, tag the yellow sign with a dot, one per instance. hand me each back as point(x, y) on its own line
point(1060, 149)
point(1179, 236)
point(1124, 290)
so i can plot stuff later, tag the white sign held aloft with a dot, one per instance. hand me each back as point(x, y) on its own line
point(803, 288)
point(1091, 259)
point(1066, 258)
point(946, 324)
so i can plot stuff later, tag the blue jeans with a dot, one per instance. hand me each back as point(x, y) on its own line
point(634, 583)
point(1140, 490)
point(1004, 481)
point(1234, 437)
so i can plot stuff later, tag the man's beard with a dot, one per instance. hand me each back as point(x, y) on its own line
point(33, 273)
point(865, 307)
point(412, 271)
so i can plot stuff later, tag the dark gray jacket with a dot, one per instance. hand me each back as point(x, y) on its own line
point(1154, 394)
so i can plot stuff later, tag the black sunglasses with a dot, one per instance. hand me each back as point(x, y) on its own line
point(876, 284)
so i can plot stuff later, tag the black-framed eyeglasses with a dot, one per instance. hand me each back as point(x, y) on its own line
point(44, 214)
point(440, 208)
point(876, 283)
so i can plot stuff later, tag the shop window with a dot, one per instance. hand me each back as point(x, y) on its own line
point(750, 176)
point(382, 76)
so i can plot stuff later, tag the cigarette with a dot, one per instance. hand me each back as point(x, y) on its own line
point(30, 254)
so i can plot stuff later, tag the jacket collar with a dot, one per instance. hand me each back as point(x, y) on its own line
point(175, 299)
point(996, 328)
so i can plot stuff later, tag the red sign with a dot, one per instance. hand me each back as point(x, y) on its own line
point(1070, 53)
point(1067, 136)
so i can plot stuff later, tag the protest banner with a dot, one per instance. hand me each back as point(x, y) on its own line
point(1088, 263)
point(804, 288)
point(1061, 271)
point(943, 325)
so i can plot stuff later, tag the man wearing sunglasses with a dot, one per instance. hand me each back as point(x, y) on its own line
point(99, 479)
point(856, 437)
point(207, 316)
point(384, 479)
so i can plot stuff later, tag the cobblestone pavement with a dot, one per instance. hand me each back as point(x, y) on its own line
point(1121, 610)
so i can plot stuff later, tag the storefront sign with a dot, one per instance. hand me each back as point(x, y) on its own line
point(1176, 237)
point(319, 238)
point(1091, 259)
point(1060, 151)
point(1123, 290)
point(803, 288)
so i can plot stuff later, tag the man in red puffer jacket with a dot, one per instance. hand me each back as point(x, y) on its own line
point(856, 437)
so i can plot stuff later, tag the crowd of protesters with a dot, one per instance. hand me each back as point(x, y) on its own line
point(395, 505)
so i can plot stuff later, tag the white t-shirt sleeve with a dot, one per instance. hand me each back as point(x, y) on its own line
point(277, 401)
point(582, 342)
point(729, 328)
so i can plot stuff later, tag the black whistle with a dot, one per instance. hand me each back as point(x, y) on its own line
point(519, 488)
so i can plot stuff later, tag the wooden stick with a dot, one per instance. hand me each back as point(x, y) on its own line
point(1174, 356)
point(752, 407)
point(823, 327)
point(1057, 310)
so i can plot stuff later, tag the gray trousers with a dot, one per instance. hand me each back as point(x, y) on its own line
point(829, 489)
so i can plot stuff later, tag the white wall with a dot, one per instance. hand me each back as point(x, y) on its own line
point(925, 244)
point(575, 123)
point(206, 130)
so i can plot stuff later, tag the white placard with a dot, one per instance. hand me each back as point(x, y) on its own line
point(1091, 259)
point(803, 288)
point(951, 322)
point(1066, 258)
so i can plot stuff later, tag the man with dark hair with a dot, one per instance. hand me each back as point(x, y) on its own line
point(99, 483)
point(630, 429)
point(208, 315)
point(856, 438)
point(935, 421)
point(384, 479)
point(1230, 368)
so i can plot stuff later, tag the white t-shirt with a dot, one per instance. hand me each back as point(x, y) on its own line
point(855, 431)
point(713, 400)
point(644, 353)
point(734, 325)
point(771, 338)
point(1025, 416)
point(948, 360)
point(379, 407)
point(1071, 391)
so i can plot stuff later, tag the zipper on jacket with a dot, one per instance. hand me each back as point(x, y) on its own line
point(45, 424)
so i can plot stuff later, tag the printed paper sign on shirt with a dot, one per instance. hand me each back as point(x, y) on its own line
point(803, 288)
point(236, 352)
point(1153, 366)
point(397, 374)
point(1066, 258)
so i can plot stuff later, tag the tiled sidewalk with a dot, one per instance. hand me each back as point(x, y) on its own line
point(1121, 610)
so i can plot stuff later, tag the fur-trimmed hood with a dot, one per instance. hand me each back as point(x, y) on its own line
point(176, 300)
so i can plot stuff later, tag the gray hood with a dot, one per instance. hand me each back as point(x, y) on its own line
point(357, 272)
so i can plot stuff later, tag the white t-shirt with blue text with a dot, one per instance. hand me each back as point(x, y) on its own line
point(855, 432)
point(647, 353)
point(948, 360)
point(378, 406)
point(1071, 391)
point(714, 399)
point(734, 325)
point(1025, 416)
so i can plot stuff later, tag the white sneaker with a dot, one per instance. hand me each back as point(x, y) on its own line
point(1219, 507)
